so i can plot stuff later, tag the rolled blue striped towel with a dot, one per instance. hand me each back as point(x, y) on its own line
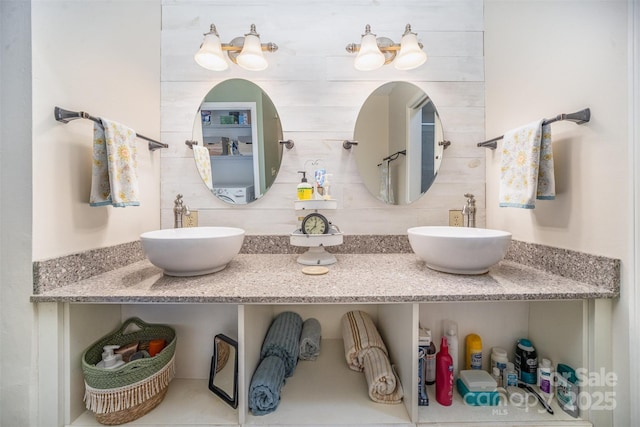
point(310, 339)
point(266, 383)
point(283, 340)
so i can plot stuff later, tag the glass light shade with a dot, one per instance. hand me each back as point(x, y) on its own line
point(410, 55)
point(210, 54)
point(251, 57)
point(369, 57)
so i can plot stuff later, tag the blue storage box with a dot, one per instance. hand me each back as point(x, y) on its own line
point(477, 398)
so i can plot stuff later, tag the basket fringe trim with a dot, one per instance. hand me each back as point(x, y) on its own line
point(104, 401)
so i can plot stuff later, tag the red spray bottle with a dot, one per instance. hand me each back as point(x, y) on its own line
point(444, 375)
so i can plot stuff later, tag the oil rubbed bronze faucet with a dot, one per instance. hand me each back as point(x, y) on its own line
point(179, 209)
point(469, 211)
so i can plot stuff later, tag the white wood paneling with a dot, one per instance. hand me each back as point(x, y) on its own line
point(318, 95)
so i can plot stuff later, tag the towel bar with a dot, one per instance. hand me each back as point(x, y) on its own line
point(579, 117)
point(65, 116)
point(394, 156)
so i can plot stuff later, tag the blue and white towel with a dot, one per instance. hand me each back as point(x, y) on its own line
point(283, 340)
point(526, 168)
point(114, 178)
point(266, 383)
point(310, 339)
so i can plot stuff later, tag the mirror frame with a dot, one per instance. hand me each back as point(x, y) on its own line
point(230, 400)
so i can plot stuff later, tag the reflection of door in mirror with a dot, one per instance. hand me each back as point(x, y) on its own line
point(398, 118)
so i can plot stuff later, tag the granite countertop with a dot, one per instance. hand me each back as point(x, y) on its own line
point(355, 278)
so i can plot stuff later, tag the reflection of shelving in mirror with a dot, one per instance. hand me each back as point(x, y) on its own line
point(237, 119)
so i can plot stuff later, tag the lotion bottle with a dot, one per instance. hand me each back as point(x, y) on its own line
point(444, 375)
point(451, 333)
point(305, 190)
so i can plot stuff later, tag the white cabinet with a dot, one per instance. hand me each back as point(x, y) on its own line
point(326, 391)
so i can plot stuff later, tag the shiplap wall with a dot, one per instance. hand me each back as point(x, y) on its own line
point(318, 94)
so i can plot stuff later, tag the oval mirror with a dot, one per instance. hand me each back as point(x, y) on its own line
point(400, 143)
point(240, 129)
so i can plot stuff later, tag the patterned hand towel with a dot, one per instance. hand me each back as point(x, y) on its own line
point(310, 339)
point(266, 383)
point(203, 163)
point(114, 171)
point(359, 333)
point(526, 169)
point(384, 385)
point(283, 340)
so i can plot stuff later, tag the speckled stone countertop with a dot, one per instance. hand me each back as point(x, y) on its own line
point(355, 278)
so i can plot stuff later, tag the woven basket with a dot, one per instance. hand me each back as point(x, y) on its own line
point(120, 395)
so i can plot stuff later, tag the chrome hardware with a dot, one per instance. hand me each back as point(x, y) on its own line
point(469, 211)
point(179, 209)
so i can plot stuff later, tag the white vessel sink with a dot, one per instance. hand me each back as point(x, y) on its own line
point(192, 251)
point(459, 250)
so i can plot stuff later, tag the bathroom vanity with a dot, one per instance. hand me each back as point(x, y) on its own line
point(563, 317)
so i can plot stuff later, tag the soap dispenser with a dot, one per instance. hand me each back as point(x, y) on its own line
point(305, 190)
point(110, 360)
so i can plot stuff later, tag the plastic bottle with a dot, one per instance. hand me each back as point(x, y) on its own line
point(305, 190)
point(567, 390)
point(444, 375)
point(451, 333)
point(325, 188)
point(545, 377)
point(499, 359)
point(495, 374)
point(526, 361)
point(110, 360)
point(510, 378)
point(473, 345)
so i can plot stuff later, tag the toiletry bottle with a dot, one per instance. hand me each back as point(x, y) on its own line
point(499, 359)
point(510, 376)
point(473, 345)
point(444, 375)
point(304, 188)
point(451, 333)
point(495, 374)
point(430, 361)
point(319, 176)
point(109, 359)
point(545, 377)
point(567, 389)
point(526, 361)
point(325, 188)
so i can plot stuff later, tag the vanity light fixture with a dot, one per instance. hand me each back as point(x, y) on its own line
point(245, 51)
point(374, 52)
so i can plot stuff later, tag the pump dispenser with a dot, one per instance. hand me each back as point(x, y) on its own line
point(305, 190)
point(110, 360)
